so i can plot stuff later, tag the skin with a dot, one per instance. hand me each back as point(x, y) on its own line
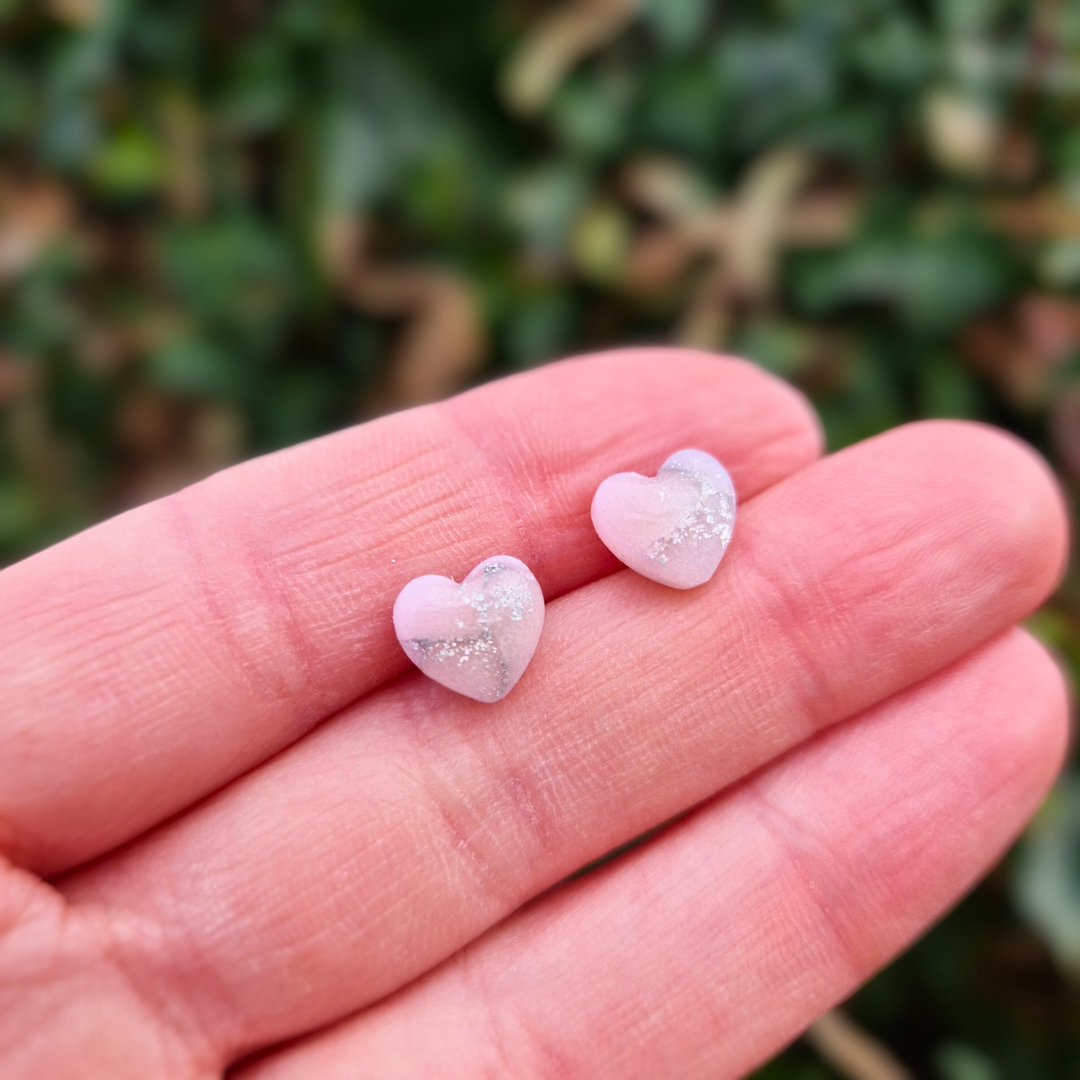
point(238, 832)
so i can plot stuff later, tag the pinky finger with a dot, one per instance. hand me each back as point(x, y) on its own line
point(704, 952)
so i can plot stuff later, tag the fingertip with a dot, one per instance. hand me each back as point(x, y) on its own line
point(1033, 739)
point(1011, 496)
point(791, 409)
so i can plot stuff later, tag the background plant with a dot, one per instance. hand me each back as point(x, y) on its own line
point(226, 227)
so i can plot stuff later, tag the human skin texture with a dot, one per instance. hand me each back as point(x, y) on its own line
point(233, 816)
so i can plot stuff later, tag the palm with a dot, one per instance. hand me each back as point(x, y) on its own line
point(253, 829)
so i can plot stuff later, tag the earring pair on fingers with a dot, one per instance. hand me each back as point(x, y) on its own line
point(477, 638)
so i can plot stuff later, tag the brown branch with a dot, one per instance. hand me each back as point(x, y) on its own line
point(556, 44)
point(841, 1043)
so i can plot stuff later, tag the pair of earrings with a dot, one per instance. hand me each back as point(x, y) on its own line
point(478, 637)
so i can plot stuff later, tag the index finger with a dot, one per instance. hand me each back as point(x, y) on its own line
point(148, 661)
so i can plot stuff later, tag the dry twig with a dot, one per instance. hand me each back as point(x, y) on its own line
point(741, 238)
point(851, 1051)
point(556, 44)
point(443, 341)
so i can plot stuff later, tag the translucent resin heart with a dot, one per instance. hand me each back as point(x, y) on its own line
point(674, 527)
point(476, 638)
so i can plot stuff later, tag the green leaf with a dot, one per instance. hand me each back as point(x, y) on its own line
point(1046, 887)
point(544, 203)
point(232, 272)
point(678, 23)
point(970, 17)
point(355, 163)
point(130, 162)
point(19, 512)
point(200, 367)
point(933, 283)
point(774, 82)
point(946, 390)
point(958, 1061)
point(895, 54)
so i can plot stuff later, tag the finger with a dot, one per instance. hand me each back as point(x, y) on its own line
point(410, 824)
point(703, 953)
point(148, 661)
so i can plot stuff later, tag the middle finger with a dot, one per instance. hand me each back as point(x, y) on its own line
point(405, 827)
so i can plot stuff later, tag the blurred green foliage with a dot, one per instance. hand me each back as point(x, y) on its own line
point(226, 227)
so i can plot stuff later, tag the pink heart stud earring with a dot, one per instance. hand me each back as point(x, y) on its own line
point(476, 638)
point(674, 527)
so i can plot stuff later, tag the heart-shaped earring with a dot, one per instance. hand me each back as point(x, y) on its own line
point(674, 527)
point(476, 638)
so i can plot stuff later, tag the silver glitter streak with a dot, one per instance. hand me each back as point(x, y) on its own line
point(497, 599)
point(713, 515)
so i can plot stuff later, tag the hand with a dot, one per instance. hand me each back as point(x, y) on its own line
point(233, 815)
